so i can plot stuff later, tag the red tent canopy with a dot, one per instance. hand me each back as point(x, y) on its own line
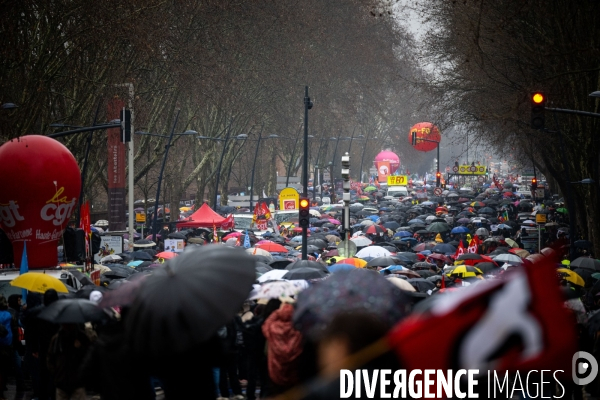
point(205, 217)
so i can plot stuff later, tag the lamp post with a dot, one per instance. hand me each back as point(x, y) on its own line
point(308, 104)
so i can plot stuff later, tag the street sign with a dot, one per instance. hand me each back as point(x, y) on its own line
point(471, 169)
point(480, 179)
point(540, 218)
point(352, 249)
point(372, 171)
point(140, 217)
point(437, 191)
point(447, 169)
point(397, 180)
point(455, 168)
point(326, 176)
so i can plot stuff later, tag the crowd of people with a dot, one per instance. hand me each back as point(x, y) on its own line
point(299, 320)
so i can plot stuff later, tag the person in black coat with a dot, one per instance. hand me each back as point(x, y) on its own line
point(228, 377)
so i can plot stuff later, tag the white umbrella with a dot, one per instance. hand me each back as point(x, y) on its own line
point(314, 212)
point(259, 252)
point(373, 251)
point(111, 257)
point(277, 289)
point(401, 284)
point(367, 222)
point(272, 275)
point(508, 258)
point(361, 241)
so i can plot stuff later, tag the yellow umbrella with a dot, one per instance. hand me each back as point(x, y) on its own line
point(38, 282)
point(464, 271)
point(521, 253)
point(184, 209)
point(511, 243)
point(571, 276)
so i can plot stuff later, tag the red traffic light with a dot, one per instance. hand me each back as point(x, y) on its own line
point(537, 98)
point(533, 181)
point(438, 174)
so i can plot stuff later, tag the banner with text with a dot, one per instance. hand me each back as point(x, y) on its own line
point(397, 180)
point(116, 170)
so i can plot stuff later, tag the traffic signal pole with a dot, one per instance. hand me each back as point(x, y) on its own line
point(346, 198)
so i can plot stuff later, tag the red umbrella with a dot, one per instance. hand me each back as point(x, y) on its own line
point(424, 246)
point(374, 230)
point(272, 247)
point(167, 255)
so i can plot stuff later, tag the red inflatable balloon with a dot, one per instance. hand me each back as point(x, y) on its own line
point(40, 183)
point(425, 130)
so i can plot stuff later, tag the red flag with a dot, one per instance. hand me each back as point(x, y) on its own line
point(257, 213)
point(474, 244)
point(265, 211)
point(515, 323)
point(85, 225)
point(228, 223)
point(460, 250)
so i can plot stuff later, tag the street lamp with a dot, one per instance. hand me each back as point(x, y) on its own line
point(162, 168)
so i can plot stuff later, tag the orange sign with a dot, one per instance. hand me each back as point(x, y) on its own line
point(383, 170)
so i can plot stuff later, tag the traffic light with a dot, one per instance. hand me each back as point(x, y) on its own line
point(438, 178)
point(538, 105)
point(414, 138)
point(125, 126)
point(533, 183)
point(304, 214)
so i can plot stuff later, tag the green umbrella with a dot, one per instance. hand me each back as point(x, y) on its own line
point(438, 227)
point(562, 210)
point(369, 189)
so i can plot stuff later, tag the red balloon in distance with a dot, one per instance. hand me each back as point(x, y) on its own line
point(40, 183)
point(425, 130)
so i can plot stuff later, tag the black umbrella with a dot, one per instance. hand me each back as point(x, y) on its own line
point(408, 256)
point(183, 304)
point(384, 261)
point(141, 255)
point(72, 311)
point(312, 249)
point(586, 263)
point(439, 227)
point(425, 273)
point(177, 235)
point(443, 248)
point(85, 291)
point(421, 285)
point(152, 252)
point(116, 283)
point(317, 242)
point(304, 273)
point(423, 266)
point(82, 278)
point(280, 262)
point(307, 264)
point(487, 267)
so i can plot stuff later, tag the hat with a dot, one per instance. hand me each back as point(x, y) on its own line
point(96, 296)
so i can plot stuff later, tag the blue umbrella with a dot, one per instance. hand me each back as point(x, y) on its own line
point(460, 229)
point(415, 221)
point(504, 226)
point(411, 241)
point(393, 268)
point(340, 267)
point(373, 218)
point(296, 239)
point(403, 234)
point(134, 263)
point(425, 252)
